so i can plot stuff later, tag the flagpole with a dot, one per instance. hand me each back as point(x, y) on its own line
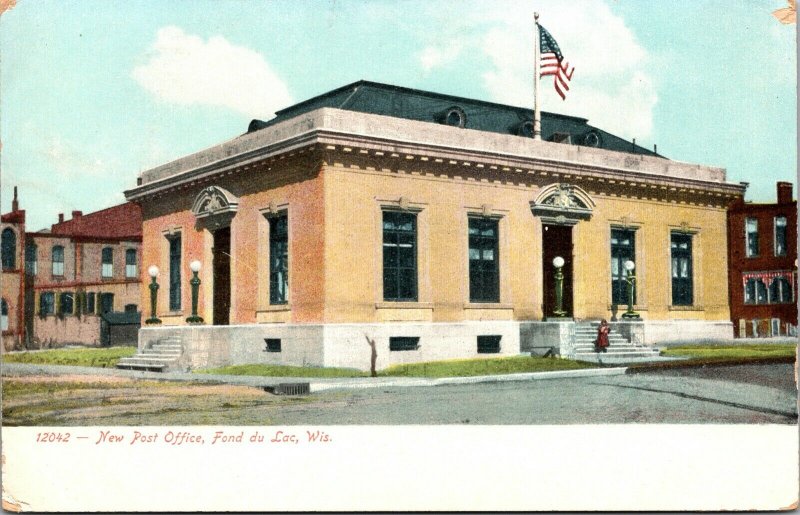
point(537, 115)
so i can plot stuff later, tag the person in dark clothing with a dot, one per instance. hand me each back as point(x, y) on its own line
point(601, 343)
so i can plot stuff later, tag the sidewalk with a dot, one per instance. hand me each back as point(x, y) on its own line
point(317, 384)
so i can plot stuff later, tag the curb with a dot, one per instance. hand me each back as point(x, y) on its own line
point(446, 381)
point(316, 384)
point(702, 363)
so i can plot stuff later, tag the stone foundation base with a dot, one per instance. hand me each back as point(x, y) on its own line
point(345, 345)
point(689, 331)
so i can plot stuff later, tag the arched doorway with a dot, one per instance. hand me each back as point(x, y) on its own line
point(560, 207)
point(214, 209)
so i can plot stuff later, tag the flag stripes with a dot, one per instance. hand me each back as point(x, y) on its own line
point(552, 63)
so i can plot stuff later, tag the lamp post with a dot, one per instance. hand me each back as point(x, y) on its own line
point(558, 262)
point(631, 279)
point(194, 266)
point(153, 273)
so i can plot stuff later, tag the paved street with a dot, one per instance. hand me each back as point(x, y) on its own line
point(751, 394)
point(754, 394)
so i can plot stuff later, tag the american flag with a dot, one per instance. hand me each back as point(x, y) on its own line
point(552, 63)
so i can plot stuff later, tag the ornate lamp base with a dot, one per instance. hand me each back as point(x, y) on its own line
point(152, 321)
point(195, 320)
point(631, 315)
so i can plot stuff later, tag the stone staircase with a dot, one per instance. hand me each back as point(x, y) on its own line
point(619, 350)
point(156, 358)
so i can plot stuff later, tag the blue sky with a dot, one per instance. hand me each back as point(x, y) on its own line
point(94, 92)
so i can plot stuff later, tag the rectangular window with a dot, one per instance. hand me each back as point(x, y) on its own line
point(131, 308)
point(272, 344)
point(106, 303)
point(682, 282)
point(399, 256)
point(751, 230)
point(403, 343)
point(131, 270)
point(108, 262)
point(279, 260)
point(484, 283)
point(47, 303)
point(623, 249)
point(780, 235)
point(175, 273)
point(489, 344)
point(90, 307)
point(58, 261)
point(67, 303)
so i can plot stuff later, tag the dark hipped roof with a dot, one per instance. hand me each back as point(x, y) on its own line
point(413, 104)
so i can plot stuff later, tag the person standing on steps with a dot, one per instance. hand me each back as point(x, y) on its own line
point(601, 343)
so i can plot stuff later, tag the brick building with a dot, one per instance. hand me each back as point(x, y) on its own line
point(762, 265)
point(12, 232)
point(69, 279)
point(429, 223)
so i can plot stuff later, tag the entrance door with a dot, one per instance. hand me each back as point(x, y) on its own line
point(222, 275)
point(556, 241)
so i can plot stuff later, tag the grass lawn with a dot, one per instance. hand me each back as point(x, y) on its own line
point(104, 358)
point(481, 367)
point(282, 371)
point(451, 368)
point(732, 352)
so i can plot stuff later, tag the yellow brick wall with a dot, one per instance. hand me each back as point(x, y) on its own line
point(355, 198)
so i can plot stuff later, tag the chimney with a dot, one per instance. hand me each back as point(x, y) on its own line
point(15, 203)
point(77, 214)
point(784, 192)
point(61, 218)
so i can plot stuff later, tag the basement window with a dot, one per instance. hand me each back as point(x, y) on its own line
point(489, 344)
point(403, 343)
point(273, 344)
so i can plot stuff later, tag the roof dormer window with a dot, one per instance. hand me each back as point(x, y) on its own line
point(455, 117)
point(592, 139)
point(561, 137)
point(525, 129)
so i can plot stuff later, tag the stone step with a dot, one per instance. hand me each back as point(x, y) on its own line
point(159, 348)
point(618, 351)
point(593, 355)
point(153, 355)
point(142, 366)
point(148, 359)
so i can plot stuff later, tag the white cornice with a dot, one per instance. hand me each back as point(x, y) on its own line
point(339, 130)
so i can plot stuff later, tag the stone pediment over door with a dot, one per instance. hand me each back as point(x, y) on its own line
point(215, 207)
point(563, 204)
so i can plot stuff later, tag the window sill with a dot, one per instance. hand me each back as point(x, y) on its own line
point(686, 308)
point(488, 305)
point(275, 308)
point(403, 305)
point(622, 308)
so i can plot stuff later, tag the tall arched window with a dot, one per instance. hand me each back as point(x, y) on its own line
point(9, 249)
point(4, 316)
point(58, 260)
point(108, 262)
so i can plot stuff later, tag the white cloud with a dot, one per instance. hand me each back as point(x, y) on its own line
point(434, 57)
point(69, 160)
point(184, 69)
point(612, 85)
